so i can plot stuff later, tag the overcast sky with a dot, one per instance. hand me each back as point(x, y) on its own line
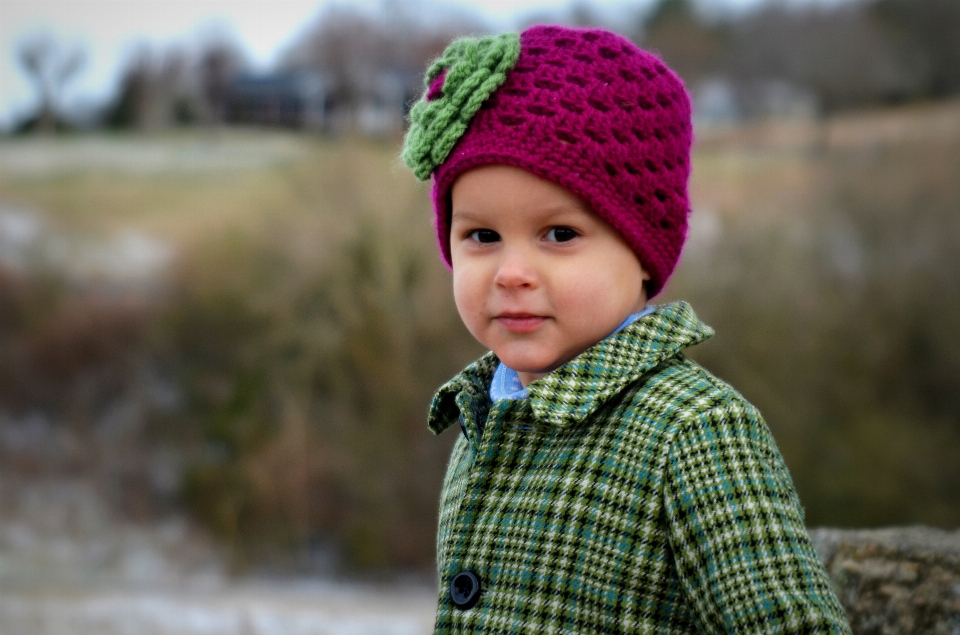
point(110, 29)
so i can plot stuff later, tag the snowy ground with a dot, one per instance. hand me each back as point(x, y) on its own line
point(229, 150)
point(69, 563)
point(70, 566)
point(247, 609)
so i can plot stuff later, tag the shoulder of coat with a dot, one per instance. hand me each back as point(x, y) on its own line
point(681, 389)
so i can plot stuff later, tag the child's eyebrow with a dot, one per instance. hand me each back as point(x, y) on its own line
point(565, 210)
point(544, 213)
point(465, 216)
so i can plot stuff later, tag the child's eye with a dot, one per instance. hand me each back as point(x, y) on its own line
point(561, 234)
point(484, 235)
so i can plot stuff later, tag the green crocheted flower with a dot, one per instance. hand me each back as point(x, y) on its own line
point(475, 67)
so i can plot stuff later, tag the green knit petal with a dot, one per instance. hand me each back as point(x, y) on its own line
point(475, 67)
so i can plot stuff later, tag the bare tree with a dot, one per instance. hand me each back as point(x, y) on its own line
point(684, 40)
point(218, 64)
point(50, 66)
point(926, 36)
point(356, 47)
point(841, 53)
point(583, 13)
point(151, 86)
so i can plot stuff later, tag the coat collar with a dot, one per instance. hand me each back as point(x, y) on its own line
point(569, 394)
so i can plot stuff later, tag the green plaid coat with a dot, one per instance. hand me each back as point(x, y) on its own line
point(633, 492)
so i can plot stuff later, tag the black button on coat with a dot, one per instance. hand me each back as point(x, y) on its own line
point(465, 590)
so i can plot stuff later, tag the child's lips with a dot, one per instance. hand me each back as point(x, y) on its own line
point(520, 322)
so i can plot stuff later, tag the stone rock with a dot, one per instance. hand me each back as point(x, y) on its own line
point(897, 580)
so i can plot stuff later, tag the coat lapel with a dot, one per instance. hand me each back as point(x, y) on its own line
point(569, 394)
point(572, 392)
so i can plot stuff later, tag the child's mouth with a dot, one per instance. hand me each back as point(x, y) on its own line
point(520, 322)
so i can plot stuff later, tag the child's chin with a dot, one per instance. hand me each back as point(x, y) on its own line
point(528, 363)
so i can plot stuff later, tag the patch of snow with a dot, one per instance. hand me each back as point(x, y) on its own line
point(247, 609)
point(130, 259)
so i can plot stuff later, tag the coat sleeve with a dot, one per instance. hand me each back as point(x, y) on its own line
point(736, 529)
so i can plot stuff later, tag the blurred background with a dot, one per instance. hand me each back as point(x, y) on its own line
point(223, 315)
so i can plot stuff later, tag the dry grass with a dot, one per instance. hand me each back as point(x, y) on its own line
point(308, 319)
point(198, 187)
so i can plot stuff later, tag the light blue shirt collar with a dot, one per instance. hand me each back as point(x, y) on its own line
point(506, 382)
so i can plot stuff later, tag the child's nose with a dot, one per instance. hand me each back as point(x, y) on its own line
point(515, 270)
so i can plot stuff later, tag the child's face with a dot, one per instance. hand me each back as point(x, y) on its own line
point(537, 276)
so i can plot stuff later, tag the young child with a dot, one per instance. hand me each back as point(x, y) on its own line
point(603, 483)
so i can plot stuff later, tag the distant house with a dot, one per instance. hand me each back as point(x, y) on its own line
point(386, 100)
point(311, 99)
point(781, 99)
point(300, 99)
point(719, 101)
point(714, 103)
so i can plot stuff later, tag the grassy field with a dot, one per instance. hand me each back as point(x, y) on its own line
point(305, 320)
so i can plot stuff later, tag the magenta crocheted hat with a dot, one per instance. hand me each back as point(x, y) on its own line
point(584, 108)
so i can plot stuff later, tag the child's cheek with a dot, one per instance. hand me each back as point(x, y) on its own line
point(469, 297)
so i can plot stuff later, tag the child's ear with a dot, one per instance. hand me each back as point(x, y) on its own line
point(644, 274)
